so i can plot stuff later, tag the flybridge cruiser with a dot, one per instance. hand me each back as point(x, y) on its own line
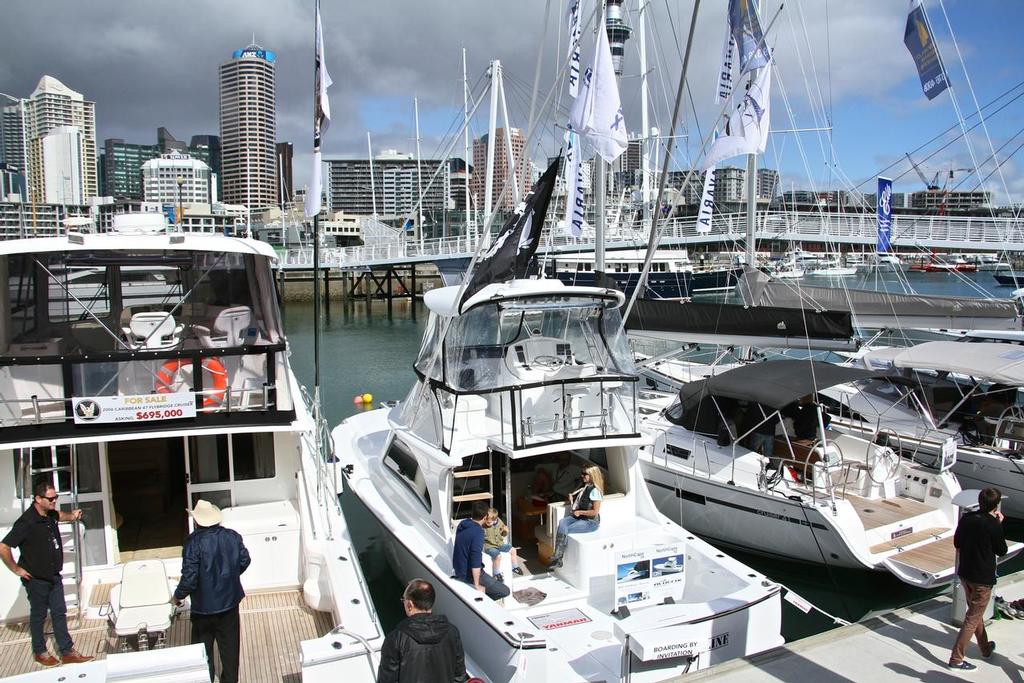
point(743, 457)
point(947, 399)
point(135, 401)
point(522, 376)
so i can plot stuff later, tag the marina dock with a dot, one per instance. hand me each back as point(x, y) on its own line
point(909, 644)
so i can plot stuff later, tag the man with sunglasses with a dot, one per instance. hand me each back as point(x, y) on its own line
point(38, 567)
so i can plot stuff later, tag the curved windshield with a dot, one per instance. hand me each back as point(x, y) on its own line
point(537, 339)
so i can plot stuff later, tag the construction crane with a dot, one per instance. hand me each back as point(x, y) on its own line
point(934, 184)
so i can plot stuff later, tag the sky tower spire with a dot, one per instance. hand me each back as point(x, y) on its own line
point(618, 33)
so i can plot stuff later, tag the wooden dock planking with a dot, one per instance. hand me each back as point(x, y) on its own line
point(876, 513)
point(909, 539)
point(933, 557)
point(272, 624)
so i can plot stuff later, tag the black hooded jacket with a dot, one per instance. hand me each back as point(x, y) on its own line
point(423, 648)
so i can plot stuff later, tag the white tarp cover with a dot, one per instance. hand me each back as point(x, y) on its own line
point(1002, 363)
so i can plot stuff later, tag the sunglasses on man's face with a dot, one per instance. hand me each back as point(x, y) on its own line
point(52, 499)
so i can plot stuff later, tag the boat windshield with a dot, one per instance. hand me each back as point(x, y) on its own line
point(536, 339)
point(84, 302)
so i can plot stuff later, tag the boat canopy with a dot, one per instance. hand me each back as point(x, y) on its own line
point(773, 384)
point(1003, 363)
point(659, 315)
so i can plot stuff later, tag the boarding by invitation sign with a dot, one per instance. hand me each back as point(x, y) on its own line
point(647, 576)
point(134, 408)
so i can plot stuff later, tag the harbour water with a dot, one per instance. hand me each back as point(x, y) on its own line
point(369, 348)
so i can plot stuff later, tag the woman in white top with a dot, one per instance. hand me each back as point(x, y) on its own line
point(584, 513)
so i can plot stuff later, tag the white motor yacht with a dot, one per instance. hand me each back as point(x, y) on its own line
point(816, 496)
point(135, 405)
point(521, 376)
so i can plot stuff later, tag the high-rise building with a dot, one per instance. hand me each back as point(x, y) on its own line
point(248, 128)
point(206, 148)
point(13, 140)
point(503, 158)
point(12, 183)
point(160, 180)
point(53, 105)
point(285, 151)
point(767, 183)
point(122, 161)
point(394, 189)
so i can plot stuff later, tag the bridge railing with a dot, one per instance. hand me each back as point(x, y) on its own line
point(917, 231)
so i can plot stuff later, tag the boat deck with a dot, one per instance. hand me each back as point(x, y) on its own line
point(911, 644)
point(876, 513)
point(273, 624)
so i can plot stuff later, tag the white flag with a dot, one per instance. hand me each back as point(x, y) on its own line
point(746, 132)
point(574, 190)
point(574, 47)
point(597, 114)
point(321, 119)
point(725, 81)
point(707, 202)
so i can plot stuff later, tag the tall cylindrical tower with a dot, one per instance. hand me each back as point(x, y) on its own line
point(618, 33)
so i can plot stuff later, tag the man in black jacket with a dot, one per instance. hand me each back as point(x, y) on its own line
point(212, 563)
point(979, 538)
point(424, 647)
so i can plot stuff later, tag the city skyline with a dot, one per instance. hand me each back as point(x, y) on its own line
point(142, 74)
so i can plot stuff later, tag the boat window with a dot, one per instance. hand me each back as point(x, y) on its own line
point(208, 459)
point(403, 464)
point(429, 346)
point(253, 456)
point(491, 346)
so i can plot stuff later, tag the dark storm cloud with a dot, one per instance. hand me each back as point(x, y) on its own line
point(148, 64)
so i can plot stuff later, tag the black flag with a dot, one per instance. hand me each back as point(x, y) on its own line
point(509, 256)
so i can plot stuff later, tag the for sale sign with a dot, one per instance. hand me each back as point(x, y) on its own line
point(134, 408)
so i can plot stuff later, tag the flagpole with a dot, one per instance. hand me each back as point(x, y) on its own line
point(752, 183)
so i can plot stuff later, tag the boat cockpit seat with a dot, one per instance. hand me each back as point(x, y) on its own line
point(140, 605)
point(230, 328)
point(153, 330)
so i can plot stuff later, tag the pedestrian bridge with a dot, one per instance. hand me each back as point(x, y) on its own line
point(910, 235)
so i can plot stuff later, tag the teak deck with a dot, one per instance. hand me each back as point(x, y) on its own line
point(273, 624)
point(876, 513)
point(934, 557)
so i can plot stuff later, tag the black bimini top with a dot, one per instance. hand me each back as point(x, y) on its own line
point(774, 384)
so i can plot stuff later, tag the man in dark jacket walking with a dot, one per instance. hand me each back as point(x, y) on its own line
point(979, 538)
point(212, 563)
point(424, 647)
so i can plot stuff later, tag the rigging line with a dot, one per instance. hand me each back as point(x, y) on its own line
point(1011, 155)
point(818, 103)
point(984, 126)
point(988, 159)
point(949, 129)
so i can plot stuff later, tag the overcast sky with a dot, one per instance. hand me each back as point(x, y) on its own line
point(148, 64)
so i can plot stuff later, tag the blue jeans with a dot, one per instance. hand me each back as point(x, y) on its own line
point(762, 443)
point(46, 596)
point(494, 589)
point(571, 525)
point(494, 552)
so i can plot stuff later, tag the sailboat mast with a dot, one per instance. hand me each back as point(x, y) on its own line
point(752, 184)
point(465, 142)
point(419, 173)
point(645, 141)
point(373, 183)
point(491, 128)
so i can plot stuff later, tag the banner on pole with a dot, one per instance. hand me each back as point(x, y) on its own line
point(574, 47)
point(707, 202)
point(884, 201)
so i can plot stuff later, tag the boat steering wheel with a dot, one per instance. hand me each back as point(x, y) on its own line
point(549, 362)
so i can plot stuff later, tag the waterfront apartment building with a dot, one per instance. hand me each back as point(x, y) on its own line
point(395, 187)
point(27, 219)
point(731, 184)
point(505, 154)
point(248, 128)
point(51, 137)
point(160, 178)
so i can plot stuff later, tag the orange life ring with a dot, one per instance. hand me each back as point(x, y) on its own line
point(165, 379)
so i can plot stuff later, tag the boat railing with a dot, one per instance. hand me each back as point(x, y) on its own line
point(542, 413)
point(318, 441)
point(68, 394)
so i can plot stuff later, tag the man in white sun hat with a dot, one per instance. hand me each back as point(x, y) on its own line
point(212, 563)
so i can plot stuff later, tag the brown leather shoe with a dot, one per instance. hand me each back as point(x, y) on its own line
point(75, 657)
point(46, 659)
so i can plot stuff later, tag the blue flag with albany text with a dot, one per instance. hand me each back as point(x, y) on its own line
point(918, 38)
